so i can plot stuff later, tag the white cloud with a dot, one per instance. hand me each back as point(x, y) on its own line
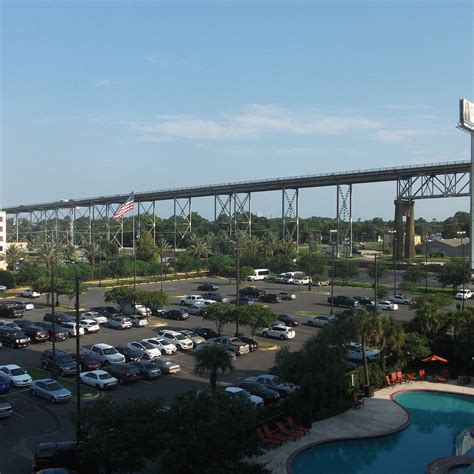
point(103, 83)
point(394, 136)
point(166, 60)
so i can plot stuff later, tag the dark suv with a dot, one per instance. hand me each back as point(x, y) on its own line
point(63, 454)
point(13, 337)
point(106, 311)
point(61, 362)
point(206, 333)
point(251, 292)
point(57, 333)
point(124, 372)
point(11, 311)
point(57, 318)
point(269, 298)
point(341, 300)
point(34, 332)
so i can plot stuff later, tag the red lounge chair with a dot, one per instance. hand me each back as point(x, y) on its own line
point(294, 427)
point(400, 377)
point(395, 378)
point(271, 434)
point(441, 379)
point(358, 402)
point(422, 374)
point(272, 441)
point(286, 432)
point(411, 377)
point(389, 381)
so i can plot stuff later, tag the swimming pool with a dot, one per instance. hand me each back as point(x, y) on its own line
point(436, 420)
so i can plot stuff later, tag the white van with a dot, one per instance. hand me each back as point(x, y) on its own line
point(259, 274)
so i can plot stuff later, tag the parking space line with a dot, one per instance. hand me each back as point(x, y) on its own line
point(16, 392)
point(146, 381)
point(18, 414)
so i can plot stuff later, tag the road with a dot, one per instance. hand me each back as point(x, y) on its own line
point(35, 420)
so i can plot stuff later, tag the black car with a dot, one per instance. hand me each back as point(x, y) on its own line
point(363, 300)
point(62, 454)
point(253, 344)
point(178, 315)
point(59, 361)
point(216, 297)
point(208, 287)
point(11, 311)
point(55, 331)
point(124, 372)
point(131, 355)
point(258, 389)
point(57, 318)
point(87, 362)
point(251, 292)
point(342, 300)
point(269, 298)
point(290, 321)
point(106, 311)
point(13, 337)
point(206, 333)
point(242, 301)
point(147, 369)
point(34, 332)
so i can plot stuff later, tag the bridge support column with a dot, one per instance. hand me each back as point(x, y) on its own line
point(404, 238)
point(410, 231)
point(182, 220)
point(290, 216)
point(344, 219)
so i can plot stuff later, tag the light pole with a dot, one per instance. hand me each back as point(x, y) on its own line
point(426, 262)
point(394, 251)
point(237, 288)
point(462, 233)
point(331, 232)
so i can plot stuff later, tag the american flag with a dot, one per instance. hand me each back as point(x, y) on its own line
point(125, 207)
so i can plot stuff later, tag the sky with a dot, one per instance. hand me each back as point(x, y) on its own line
point(107, 97)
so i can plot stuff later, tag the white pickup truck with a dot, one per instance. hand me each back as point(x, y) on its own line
point(105, 353)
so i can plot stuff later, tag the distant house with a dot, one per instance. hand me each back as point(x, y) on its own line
point(446, 247)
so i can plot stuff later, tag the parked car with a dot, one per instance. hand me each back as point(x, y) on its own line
point(322, 283)
point(278, 331)
point(105, 353)
point(206, 333)
point(11, 311)
point(98, 379)
point(354, 351)
point(303, 280)
point(232, 355)
point(387, 305)
point(208, 287)
point(147, 369)
point(285, 295)
point(62, 454)
point(176, 314)
point(290, 321)
point(320, 321)
point(4, 384)
point(3, 288)
point(371, 308)
point(274, 382)
point(162, 344)
point(5, 408)
point(138, 320)
point(87, 363)
point(10, 324)
point(400, 299)
point(59, 361)
point(364, 300)
point(124, 372)
point(13, 337)
point(51, 390)
point(57, 318)
point(106, 311)
point(253, 344)
point(149, 350)
point(240, 393)
point(89, 325)
point(30, 293)
point(232, 343)
point(142, 310)
point(34, 332)
point(463, 295)
point(119, 322)
point(342, 300)
point(72, 329)
point(24, 305)
point(178, 339)
point(255, 388)
point(99, 318)
point(196, 338)
point(269, 298)
point(215, 297)
point(16, 375)
point(251, 292)
point(166, 366)
point(54, 331)
point(197, 309)
point(130, 354)
point(242, 301)
point(191, 299)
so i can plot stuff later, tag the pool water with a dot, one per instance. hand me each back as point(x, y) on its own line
point(436, 420)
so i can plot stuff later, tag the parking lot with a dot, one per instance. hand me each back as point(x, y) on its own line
point(35, 420)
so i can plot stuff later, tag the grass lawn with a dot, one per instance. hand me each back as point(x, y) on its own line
point(87, 393)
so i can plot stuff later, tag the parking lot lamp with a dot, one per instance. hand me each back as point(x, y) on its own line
point(78, 367)
point(331, 232)
point(237, 288)
point(427, 239)
point(394, 252)
point(462, 234)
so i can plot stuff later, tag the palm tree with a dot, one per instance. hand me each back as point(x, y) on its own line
point(288, 246)
point(162, 248)
point(270, 245)
point(69, 252)
point(213, 359)
point(253, 245)
point(92, 252)
point(47, 253)
point(199, 248)
point(13, 255)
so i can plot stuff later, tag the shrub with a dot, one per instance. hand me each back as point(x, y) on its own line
point(6, 279)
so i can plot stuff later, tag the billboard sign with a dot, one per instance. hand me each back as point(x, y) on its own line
point(466, 115)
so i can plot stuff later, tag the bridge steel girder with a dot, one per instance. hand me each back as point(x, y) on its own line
point(182, 220)
point(223, 212)
point(242, 213)
point(344, 218)
point(143, 224)
point(290, 215)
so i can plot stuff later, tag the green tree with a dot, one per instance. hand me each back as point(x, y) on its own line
point(213, 359)
point(69, 252)
point(452, 274)
point(414, 274)
point(93, 253)
point(122, 295)
point(199, 249)
point(30, 271)
point(152, 299)
point(220, 314)
point(382, 270)
point(145, 247)
point(48, 253)
point(163, 248)
point(221, 265)
point(343, 268)
point(14, 255)
point(6, 279)
point(185, 262)
point(256, 316)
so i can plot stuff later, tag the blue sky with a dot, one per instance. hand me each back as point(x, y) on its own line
point(108, 97)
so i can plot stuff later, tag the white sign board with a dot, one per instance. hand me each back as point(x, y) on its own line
point(466, 115)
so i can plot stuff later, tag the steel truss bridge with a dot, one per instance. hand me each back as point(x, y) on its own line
point(232, 206)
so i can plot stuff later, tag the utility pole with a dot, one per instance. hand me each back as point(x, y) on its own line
point(78, 366)
point(331, 232)
point(462, 233)
point(237, 289)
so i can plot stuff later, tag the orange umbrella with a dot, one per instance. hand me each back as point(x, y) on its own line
point(434, 358)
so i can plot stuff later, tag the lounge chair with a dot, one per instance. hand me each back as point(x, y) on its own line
point(422, 374)
point(271, 434)
point(441, 379)
point(358, 402)
point(411, 377)
point(395, 379)
point(389, 381)
point(285, 431)
point(294, 427)
point(271, 441)
point(464, 380)
point(400, 377)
